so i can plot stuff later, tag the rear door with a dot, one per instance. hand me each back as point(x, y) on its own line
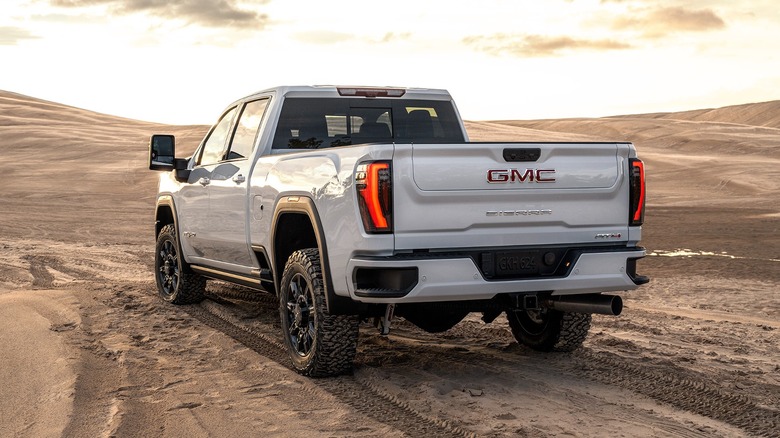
point(509, 194)
point(228, 192)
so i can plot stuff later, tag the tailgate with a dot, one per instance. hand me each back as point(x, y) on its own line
point(509, 194)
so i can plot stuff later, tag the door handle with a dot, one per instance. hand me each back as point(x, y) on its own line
point(238, 179)
point(204, 181)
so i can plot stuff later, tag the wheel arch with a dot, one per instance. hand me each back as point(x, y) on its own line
point(165, 214)
point(297, 225)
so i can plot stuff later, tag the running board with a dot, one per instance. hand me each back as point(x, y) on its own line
point(243, 280)
point(264, 275)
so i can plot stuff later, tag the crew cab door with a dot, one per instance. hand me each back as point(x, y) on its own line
point(194, 225)
point(228, 200)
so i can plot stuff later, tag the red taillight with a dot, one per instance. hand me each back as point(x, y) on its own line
point(637, 194)
point(375, 196)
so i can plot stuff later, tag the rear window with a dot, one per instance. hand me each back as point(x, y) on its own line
point(314, 123)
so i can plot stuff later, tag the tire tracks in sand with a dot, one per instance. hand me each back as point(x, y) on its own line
point(359, 394)
point(474, 346)
point(688, 393)
point(682, 391)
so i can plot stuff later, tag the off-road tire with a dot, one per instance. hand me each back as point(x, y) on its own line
point(549, 330)
point(176, 283)
point(319, 344)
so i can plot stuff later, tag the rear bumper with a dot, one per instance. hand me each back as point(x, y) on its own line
point(426, 279)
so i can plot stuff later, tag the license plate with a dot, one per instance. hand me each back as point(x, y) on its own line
point(517, 263)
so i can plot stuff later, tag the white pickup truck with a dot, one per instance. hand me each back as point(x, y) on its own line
point(354, 203)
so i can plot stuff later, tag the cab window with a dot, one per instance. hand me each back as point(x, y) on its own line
point(314, 123)
point(243, 142)
point(214, 148)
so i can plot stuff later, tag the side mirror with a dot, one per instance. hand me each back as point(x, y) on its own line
point(162, 152)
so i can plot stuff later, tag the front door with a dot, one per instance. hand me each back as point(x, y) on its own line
point(196, 233)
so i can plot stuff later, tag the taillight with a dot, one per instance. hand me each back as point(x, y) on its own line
point(375, 196)
point(637, 194)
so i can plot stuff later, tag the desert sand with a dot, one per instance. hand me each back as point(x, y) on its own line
point(88, 350)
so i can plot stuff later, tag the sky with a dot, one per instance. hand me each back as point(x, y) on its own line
point(182, 62)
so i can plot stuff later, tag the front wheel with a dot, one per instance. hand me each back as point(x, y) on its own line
point(549, 330)
point(318, 343)
point(176, 283)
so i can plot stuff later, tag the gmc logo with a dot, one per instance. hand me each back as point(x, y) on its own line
point(498, 176)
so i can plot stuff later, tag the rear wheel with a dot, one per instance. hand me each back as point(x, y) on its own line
point(176, 283)
point(319, 344)
point(549, 330)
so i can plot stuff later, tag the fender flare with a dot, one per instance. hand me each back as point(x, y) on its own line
point(167, 201)
point(336, 304)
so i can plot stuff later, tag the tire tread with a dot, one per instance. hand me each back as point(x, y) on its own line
point(337, 335)
point(191, 288)
point(563, 332)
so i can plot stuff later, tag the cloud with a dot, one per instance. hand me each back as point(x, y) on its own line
point(392, 36)
point(540, 45)
point(661, 22)
point(11, 35)
point(323, 37)
point(334, 37)
point(210, 13)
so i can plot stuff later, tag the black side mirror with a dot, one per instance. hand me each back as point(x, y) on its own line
point(162, 152)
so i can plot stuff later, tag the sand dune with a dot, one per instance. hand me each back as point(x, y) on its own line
point(64, 162)
point(765, 114)
point(89, 350)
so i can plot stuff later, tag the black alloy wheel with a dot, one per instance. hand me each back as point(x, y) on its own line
point(176, 283)
point(168, 271)
point(301, 317)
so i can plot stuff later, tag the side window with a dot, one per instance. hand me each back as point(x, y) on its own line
point(246, 129)
point(214, 148)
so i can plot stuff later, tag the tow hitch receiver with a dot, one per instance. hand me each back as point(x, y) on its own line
point(524, 301)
